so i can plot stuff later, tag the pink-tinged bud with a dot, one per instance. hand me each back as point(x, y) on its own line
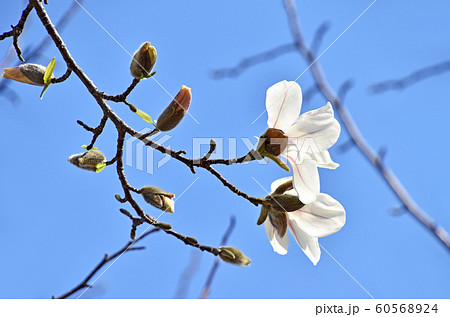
point(176, 110)
point(32, 74)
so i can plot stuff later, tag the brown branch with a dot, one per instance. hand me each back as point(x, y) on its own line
point(369, 153)
point(95, 131)
point(215, 267)
point(17, 31)
point(85, 283)
point(121, 97)
point(411, 79)
point(63, 77)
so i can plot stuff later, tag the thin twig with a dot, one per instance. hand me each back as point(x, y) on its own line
point(214, 268)
point(411, 79)
point(17, 31)
point(253, 60)
point(372, 156)
point(63, 77)
point(85, 283)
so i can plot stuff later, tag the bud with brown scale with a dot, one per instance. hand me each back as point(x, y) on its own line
point(176, 110)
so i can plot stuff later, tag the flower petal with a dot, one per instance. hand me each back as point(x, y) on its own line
point(320, 218)
point(309, 245)
point(315, 131)
point(283, 103)
point(324, 160)
point(279, 244)
point(305, 177)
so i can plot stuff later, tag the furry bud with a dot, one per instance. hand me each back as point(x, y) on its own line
point(144, 59)
point(93, 160)
point(234, 256)
point(32, 74)
point(158, 198)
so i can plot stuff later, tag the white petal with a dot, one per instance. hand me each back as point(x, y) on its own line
point(320, 218)
point(279, 244)
point(315, 131)
point(305, 177)
point(278, 182)
point(283, 103)
point(309, 245)
point(324, 160)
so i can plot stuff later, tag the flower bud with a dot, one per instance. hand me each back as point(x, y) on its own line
point(93, 160)
point(164, 226)
point(144, 59)
point(234, 256)
point(26, 73)
point(176, 110)
point(273, 141)
point(191, 240)
point(158, 198)
point(271, 144)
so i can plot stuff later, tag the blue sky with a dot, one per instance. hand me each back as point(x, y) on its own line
point(57, 221)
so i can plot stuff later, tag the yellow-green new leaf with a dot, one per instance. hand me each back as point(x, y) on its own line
point(48, 76)
point(85, 147)
point(145, 116)
point(99, 167)
point(49, 71)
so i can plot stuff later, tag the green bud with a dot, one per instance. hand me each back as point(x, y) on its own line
point(93, 160)
point(164, 226)
point(191, 240)
point(144, 59)
point(234, 256)
point(176, 110)
point(158, 198)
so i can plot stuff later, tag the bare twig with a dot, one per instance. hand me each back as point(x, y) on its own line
point(107, 258)
point(319, 35)
point(17, 30)
point(369, 153)
point(30, 54)
point(186, 277)
point(214, 268)
point(253, 60)
point(411, 79)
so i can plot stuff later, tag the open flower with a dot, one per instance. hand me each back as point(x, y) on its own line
point(310, 222)
point(303, 140)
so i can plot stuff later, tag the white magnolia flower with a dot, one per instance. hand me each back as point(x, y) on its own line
point(309, 136)
point(312, 221)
